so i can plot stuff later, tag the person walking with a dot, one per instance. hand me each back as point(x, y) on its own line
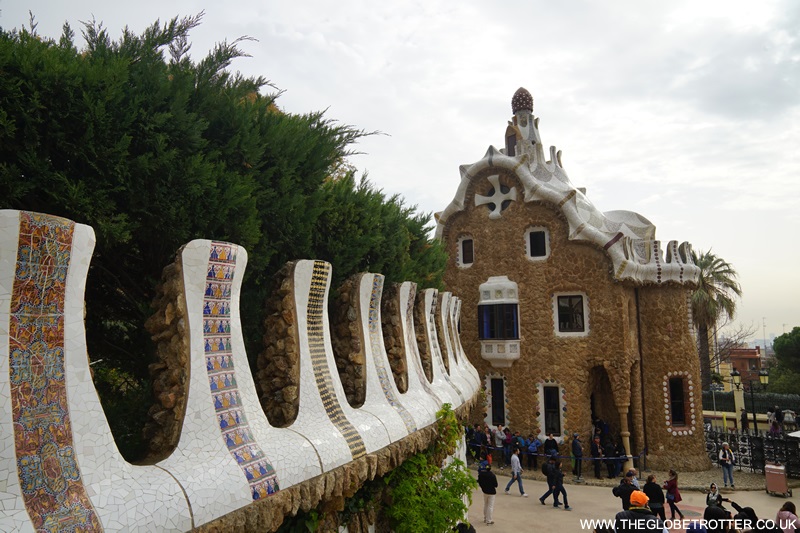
point(597, 456)
point(655, 497)
point(558, 486)
point(548, 469)
point(673, 494)
point(577, 453)
point(488, 484)
point(726, 461)
point(516, 473)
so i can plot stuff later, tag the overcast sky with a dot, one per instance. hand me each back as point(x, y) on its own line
point(687, 112)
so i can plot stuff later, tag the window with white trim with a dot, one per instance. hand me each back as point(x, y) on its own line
point(466, 251)
point(537, 243)
point(677, 401)
point(552, 409)
point(570, 315)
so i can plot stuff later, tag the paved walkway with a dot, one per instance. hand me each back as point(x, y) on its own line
point(515, 514)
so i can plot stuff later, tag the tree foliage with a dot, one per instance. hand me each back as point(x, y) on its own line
point(714, 299)
point(785, 376)
point(787, 349)
point(153, 149)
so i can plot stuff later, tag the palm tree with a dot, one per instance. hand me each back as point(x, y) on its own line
point(713, 300)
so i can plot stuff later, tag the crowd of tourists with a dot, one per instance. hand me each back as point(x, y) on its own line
point(643, 509)
point(498, 445)
point(644, 503)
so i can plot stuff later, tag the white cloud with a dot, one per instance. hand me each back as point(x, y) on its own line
point(685, 111)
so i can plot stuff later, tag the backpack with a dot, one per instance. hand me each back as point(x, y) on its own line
point(546, 468)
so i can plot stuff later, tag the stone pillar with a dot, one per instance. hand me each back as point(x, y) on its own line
point(626, 434)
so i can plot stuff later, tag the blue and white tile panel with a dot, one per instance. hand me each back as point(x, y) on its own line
point(226, 440)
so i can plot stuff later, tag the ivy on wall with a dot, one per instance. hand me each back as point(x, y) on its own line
point(425, 493)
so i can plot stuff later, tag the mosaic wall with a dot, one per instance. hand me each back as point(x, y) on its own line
point(322, 374)
point(230, 412)
point(437, 352)
point(412, 349)
point(48, 471)
point(376, 343)
point(62, 469)
point(441, 381)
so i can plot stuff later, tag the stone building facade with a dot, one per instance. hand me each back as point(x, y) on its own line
point(570, 313)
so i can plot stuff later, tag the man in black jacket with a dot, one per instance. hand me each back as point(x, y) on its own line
point(488, 484)
point(549, 470)
point(624, 490)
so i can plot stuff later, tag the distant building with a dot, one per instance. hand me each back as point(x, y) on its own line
point(570, 313)
point(747, 361)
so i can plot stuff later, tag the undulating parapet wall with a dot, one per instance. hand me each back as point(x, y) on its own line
point(393, 339)
point(224, 466)
point(58, 457)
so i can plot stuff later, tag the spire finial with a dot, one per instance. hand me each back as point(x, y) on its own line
point(522, 100)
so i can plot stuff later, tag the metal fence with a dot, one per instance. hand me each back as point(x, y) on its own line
point(764, 401)
point(754, 451)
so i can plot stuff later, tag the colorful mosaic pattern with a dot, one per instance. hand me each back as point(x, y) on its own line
point(48, 470)
point(231, 415)
point(376, 344)
point(319, 361)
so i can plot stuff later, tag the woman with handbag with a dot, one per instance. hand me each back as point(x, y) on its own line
point(673, 494)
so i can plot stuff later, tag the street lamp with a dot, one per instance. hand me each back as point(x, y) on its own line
point(761, 385)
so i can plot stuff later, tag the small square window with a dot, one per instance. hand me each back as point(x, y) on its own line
point(570, 315)
point(537, 243)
